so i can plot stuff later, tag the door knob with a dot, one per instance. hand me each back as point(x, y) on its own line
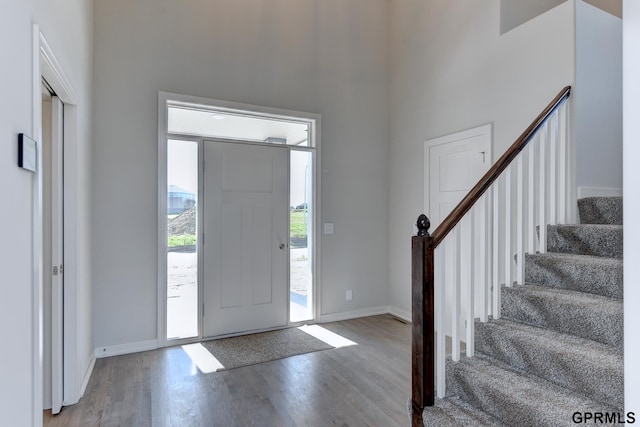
point(282, 246)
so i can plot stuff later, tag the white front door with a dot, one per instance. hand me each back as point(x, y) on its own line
point(245, 248)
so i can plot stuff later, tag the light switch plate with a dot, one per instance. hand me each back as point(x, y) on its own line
point(328, 228)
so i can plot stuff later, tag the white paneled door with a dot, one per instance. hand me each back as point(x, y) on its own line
point(455, 163)
point(245, 248)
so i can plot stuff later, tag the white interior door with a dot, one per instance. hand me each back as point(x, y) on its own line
point(245, 248)
point(57, 282)
point(455, 163)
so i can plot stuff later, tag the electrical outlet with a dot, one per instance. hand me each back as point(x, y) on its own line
point(349, 295)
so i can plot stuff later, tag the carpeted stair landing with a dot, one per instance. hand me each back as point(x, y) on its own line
point(557, 350)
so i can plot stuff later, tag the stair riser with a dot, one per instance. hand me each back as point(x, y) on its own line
point(585, 240)
point(597, 276)
point(489, 393)
point(599, 377)
point(597, 322)
point(600, 210)
point(453, 412)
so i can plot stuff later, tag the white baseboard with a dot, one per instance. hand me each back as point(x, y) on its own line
point(400, 314)
point(87, 375)
point(598, 192)
point(347, 315)
point(134, 347)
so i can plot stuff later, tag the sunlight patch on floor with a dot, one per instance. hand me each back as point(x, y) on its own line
point(327, 336)
point(202, 358)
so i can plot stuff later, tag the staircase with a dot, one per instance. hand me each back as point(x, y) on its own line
point(555, 356)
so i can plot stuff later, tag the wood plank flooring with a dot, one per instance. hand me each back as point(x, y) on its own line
point(363, 385)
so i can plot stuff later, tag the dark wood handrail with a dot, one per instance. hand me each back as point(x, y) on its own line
point(422, 271)
point(492, 174)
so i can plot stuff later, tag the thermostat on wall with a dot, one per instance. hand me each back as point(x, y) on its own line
point(27, 153)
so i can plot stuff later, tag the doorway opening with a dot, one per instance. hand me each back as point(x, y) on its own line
point(52, 248)
point(237, 218)
point(70, 372)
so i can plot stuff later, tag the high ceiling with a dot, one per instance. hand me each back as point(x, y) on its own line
point(614, 7)
point(514, 13)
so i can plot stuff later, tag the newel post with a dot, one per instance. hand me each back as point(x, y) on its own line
point(422, 316)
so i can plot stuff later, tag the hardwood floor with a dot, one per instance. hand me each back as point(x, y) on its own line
point(363, 385)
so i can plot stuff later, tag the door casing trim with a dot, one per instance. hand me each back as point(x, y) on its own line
point(46, 65)
point(167, 98)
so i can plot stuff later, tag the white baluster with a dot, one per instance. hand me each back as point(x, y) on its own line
point(553, 169)
point(571, 201)
point(520, 219)
point(542, 199)
point(471, 283)
point(495, 270)
point(440, 322)
point(531, 199)
point(455, 297)
point(485, 256)
point(508, 255)
point(562, 167)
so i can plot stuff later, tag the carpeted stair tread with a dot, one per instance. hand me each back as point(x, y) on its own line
point(600, 210)
point(452, 411)
point(584, 273)
point(578, 364)
point(514, 398)
point(602, 240)
point(588, 316)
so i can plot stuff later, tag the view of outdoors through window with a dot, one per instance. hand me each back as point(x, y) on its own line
point(182, 255)
point(301, 278)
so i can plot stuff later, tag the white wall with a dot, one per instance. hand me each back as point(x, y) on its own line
point(67, 25)
point(450, 71)
point(598, 98)
point(15, 305)
point(631, 34)
point(327, 57)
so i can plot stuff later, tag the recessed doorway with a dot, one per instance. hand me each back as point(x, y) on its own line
point(237, 211)
point(52, 144)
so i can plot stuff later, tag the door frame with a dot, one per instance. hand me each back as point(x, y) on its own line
point(57, 252)
point(485, 131)
point(46, 65)
point(165, 99)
